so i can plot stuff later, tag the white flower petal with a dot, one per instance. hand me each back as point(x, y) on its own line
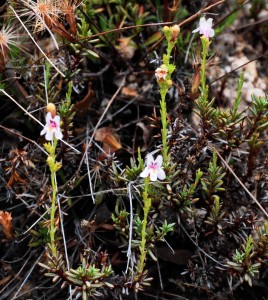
point(57, 120)
point(43, 131)
point(209, 22)
point(161, 174)
point(211, 33)
point(202, 21)
point(196, 30)
point(144, 173)
point(159, 161)
point(58, 134)
point(48, 117)
point(153, 176)
point(149, 159)
point(201, 31)
point(49, 136)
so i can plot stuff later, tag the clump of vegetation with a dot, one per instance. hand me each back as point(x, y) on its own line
point(124, 168)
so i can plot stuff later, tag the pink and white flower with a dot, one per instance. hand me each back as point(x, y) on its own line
point(52, 128)
point(205, 27)
point(161, 72)
point(153, 168)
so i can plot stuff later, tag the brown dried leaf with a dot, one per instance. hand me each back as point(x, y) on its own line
point(15, 177)
point(108, 138)
point(5, 221)
point(5, 280)
point(82, 107)
point(126, 91)
point(68, 9)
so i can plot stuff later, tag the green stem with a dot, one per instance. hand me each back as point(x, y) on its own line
point(146, 208)
point(205, 46)
point(164, 131)
point(53, 208)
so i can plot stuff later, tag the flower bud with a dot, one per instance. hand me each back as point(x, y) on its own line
point(50, 161)
point(175, 31)
point(52, 109)
point(166, 29)
point(169, 83)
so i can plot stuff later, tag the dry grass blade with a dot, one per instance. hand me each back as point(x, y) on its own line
point(240, 182)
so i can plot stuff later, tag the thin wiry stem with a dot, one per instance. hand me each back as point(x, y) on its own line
point(113, 190)
point(98, 124)
point(21, 107)
point(23, 137)
point(200, 249)
point(45, 79)
point(4, 296)
point(240, 182)
point(27, 276)
point(37, 221)
point(88, 170)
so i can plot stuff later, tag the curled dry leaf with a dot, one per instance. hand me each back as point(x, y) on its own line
point(5, 221)
point(108, 138)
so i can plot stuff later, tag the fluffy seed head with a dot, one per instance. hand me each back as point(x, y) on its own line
point(8, 37)
point(41, 12)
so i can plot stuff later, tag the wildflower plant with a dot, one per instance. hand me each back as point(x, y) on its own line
point(163, 76)
point(52, 133)
point(205, 110)
point(191, 179)
point(153, 169)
